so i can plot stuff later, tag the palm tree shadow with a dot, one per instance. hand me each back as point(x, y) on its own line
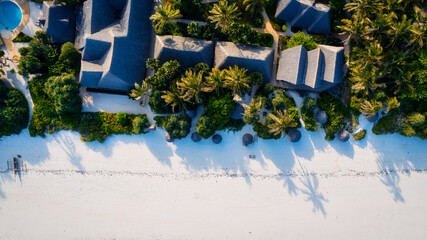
point(391, 179)
point(311, 185)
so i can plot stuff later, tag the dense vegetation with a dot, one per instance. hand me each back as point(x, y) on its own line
point(178, 125)
point(22, 38)
point(336, 112)
point(307, 114)
point(388, 63)
point(14, 111)
point(225, 21)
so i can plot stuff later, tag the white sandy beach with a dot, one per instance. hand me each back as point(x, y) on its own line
point(140, 187)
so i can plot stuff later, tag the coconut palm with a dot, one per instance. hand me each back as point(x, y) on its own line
point(363, 8)
point(163, 15)
point(370, 108)
point(237, 81)
point(418, 35)
point(282, 121)
point(391, 103)
point(215, 81)
point(399, 30)
point(252, 110)
point(355, 28)
point(140, 91)
point(363, 80)
point(223, 14)
point(174, 98)
point(191, 85)
point(253, 6)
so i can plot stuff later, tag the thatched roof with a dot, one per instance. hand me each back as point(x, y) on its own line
point(187, 51)
point(316, 70)
point(216, 139)
point(294, 135)
point(195, 137)
point(58, 21)
point(169, 138)
point(253, 58)
point(247, 139)
point(116, 36)
point(343, 135)
point(321, 117)
point(315, 17)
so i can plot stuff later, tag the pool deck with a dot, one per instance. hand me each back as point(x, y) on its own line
point(6, 39)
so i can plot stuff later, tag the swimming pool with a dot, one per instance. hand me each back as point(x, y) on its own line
point(10, 15)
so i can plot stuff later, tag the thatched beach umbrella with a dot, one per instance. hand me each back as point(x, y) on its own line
point(216, 139)
point(374, 118)
point(247, 139)
point(343, 136)
point(294, 135)
point(169, 138)
point(321, 117)
point(195, 137)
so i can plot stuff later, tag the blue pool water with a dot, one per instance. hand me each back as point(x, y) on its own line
point(10, 15)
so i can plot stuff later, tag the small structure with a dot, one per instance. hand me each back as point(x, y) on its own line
point(253, 58)
point(373, 118)
point(315, 17)
point(247, 139)
point(187, 51)
point(294, 135)
point(58, 21)
point(195, 137)
point(321, 116)
point(316, 70)
point(216, 139)
point(169, 138)
point(343, 135)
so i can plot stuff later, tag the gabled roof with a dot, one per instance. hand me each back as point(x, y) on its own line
point(114, 57)
point(253, 58)
point(314, 69)
point(187, 51)
point(292, 65)
point(59, 22)
point(334, 60)
point(315, 17)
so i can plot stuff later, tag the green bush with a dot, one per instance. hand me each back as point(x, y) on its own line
point(158, 104)
point(300, 38)
point(14, 111)
point(194, 30)
point(266, 40)
point(416, 119)
point(263, 131)
point(335, 110)
point(68, 61)
point(178, 125)
point(139, 123)
point(359, 135)
point(284, 28)
point(387, 124)
point(282, 101)
point(64, 92)
point(307, 114)
point(22, 38)
point(217, 115)
point(121, 117)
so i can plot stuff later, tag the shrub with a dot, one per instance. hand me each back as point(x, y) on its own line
point(158, 104)
point(217, 115)
point(416, 119)
point(256, 78)
point(194, 30)
point(263, 131)
point(242, 33)
point(359, 135)
point(153, 64)
point(64, 92)
point(300, 38)
point(387, 124)
point(335, 110)
point(284, 28)
point(282, 101)
point(22, 38)
point(139, 123)
point(14, 111)
point(121, 117)
point(12, 71)
point(177, 125)
point(68, 61)
point(307, 114)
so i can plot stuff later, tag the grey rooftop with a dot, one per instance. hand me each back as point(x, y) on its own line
point(58, 21)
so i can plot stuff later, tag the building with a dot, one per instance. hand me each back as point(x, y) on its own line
point(187, 51)
point(58, 21)
point(253, 58)
point(316, 70)
point(307, 14)
point(114, 37)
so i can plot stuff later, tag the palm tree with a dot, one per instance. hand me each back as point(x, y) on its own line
point(370, 108)
point(282, 122)
point(399, 30)
point(363, 80)
point(237, 80)
point(252, 110)
point(215, 81)
point(418, 35)
point(174, 98)
point(253, 6)
point(363, 8)
point(191, 85)
point(140, 91)
point(355, 28)
point(391, 103)
point(162, 17)
point(223, 14)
